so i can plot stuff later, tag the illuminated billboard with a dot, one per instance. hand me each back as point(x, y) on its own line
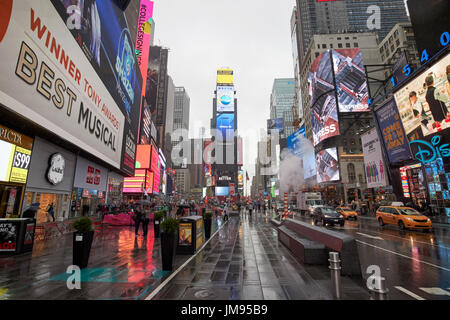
point(140, 183)
point(156, 169)
point(276, 124)
point(424, 102)
point(222, 191)
point(207, 169)
point(294, 141)
point(225, 125)
point(143, 38)
point(225, 76)
point(225, 99)
point(143, 153)
point(324, 113)
point(241, 178)
point(327, 165)
point(350, 76)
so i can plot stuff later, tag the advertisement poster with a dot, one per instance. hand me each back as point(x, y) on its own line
point(375, 168)
point(225, 126)
point(327, 164)
point(156, 169)
point(101, 30)
point(324, 113)
point(424, 103)
point(29, 234)
point(394, 136)
point(225, 99)
point(199, 228)
point(276, 124)
point(351, 84)
point(71, 86)
point(294, 141)
point(8, 236)
point(222, 191)
point(185, 235)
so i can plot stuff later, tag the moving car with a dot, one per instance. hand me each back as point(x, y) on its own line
point(328, 215)
point(403, 217)
point(347, 212)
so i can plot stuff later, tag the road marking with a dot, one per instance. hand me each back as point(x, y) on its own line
point(404, 256)
point(369, 236)
point(412, 294)
point(162, 285)
point(436, 291)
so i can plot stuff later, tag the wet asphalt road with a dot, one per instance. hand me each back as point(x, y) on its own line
point(415, 264)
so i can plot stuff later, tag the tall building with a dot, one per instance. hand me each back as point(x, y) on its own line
point(325, 17)
point(181, 111)
point(282, 102)
point(224, 124)
point(295, 58)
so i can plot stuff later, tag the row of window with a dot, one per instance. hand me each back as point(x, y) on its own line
point(340, 45)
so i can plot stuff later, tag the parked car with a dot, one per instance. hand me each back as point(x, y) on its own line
point(403, 217)
point(347, 212)
point(328, 215)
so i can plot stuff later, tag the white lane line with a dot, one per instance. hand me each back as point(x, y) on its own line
point(404, 256)
point(162, 285)
point(436, 291)
point(369, 236)
point(412, 294)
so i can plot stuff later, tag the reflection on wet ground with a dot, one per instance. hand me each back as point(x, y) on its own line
point(246, 261)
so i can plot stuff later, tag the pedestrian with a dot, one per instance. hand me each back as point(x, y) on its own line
point(239, 207)
point(225, 213)
point(51, 211)
point(250, 209)
point(137, 217)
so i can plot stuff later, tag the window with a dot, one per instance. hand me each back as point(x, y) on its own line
point(397, 42)
point(381, 50)
point(355, 38)
point(346, 38)
point(351, 173)
point(324, 46)
point(361, 178)
point(391, 39)
point(339, 45)
point(396, 33)
point(318, 46)
point(331, 45)
point(356, 45)
point(347, 45)
point(392, 48)
point(339, 38)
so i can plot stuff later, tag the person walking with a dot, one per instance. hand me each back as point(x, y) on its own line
point(51, 211)
point(137, 217)
point(250, 209)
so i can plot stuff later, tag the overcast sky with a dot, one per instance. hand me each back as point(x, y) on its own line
point(252, 37)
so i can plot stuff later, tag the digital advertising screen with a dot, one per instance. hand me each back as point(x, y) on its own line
point(225, 99)
point(351, 84)
point(225, 125)
point(294, 141)
point(276, 124)
point(391, 128)
point(324, 113)
point(327, 164)
point(240, 178)
point(156, 169)
point(375, 169)
point(222, 191)
point(143, 156)
point(208, 169)
point(424, 102)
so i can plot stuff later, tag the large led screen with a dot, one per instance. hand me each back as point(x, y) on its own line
point(225, 99)
point(276, 124)
point(294, 141)
point(222, 191)
point(324, 113)
point(156, 169)
point(327, 164)
point(225, 125)
point(143, 156)
point(351, 84)
point(424, 102)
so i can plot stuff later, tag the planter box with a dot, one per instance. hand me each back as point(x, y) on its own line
point(168, 247)
point(208, 223)
point(82, 242)
point(156, 224)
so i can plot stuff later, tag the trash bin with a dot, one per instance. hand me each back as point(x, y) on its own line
point(16, 235)
point(190, 234)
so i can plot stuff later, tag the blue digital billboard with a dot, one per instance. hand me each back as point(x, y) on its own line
point(225, 125)
point(222, 191)
point(294, 141)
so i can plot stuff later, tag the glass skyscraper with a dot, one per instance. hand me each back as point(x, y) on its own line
point(281, 103)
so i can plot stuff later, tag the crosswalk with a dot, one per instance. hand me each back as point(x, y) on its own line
point(434, 291)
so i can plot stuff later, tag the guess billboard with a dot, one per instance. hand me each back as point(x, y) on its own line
point(79, 83)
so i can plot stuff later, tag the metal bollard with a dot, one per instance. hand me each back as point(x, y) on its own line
point(379, 291)
point(335, 270)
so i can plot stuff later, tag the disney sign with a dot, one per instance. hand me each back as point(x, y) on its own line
point(429, 152)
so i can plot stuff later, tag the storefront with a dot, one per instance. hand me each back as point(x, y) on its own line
point(50, 180)
point(15, 158)
point(114, 189)
point(89, 188)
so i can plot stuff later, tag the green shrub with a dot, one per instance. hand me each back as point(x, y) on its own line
point(170, 225)
point(158, 215)
point(84, 224)
point(208, 215)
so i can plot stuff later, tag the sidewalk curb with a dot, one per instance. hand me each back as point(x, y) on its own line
point(173, 274)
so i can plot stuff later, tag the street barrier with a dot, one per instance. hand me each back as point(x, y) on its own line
point(335, 270)
point(332, 240)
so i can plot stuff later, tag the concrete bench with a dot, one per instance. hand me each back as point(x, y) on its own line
point(307, 251)
point(276, 223)
point(333, 241)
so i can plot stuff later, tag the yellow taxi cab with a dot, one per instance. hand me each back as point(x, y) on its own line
point(347, 212)
point(403, 217)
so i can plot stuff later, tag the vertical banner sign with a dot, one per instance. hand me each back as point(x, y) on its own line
point(374, 166)
point(143, 40)
point(392, 131)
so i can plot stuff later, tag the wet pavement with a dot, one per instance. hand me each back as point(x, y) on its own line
point(121, 267)
point(245, 261)
point(416, 265)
